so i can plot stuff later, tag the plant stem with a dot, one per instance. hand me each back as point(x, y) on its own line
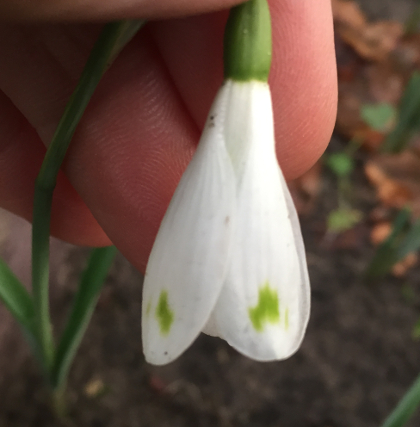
point(110, 42)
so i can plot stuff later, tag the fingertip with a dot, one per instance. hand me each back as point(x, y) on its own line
point(303, 82)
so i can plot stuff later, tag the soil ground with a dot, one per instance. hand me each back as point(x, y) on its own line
point(356, 361)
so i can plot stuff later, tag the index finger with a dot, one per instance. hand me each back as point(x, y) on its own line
point(143, 123)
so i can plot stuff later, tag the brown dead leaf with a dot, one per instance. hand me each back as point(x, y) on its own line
point(392, 58)
point(396, 178)
point(400, 268)
point(407, 54)
point(372, 41)
point(380, 232)
point(391, 192)
point(348, 13)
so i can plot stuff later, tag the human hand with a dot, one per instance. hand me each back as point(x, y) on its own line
point(143, 123)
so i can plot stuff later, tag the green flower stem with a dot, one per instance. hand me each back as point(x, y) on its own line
point(84, 303)
point(406, 407)
point(247, 42)
point(110, 42)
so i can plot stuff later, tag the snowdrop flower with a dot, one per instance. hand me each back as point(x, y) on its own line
point(229, 258)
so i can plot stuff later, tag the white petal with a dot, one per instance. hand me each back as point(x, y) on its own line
point(188, 262)
point(263, 308)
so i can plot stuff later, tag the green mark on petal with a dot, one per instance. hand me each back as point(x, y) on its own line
point(164, 314)
point(267, 309)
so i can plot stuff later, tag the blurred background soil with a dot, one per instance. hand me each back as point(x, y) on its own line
point(357, 360)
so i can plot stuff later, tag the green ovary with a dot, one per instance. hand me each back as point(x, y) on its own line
point(267, 309)
point(164, 314)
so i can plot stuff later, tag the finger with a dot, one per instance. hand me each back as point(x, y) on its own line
point(21, 155)
point(106, 10)
point(303, 81)
point(133, 143)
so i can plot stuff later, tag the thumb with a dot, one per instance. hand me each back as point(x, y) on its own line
point(101, 10)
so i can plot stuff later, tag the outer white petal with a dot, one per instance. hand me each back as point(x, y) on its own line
point(188, 262)
point(263, 308)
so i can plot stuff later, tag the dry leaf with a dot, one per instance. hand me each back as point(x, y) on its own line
point(380, 232)
point(396, 178)
point(400, 268)
point(407, 54)
point(390, 192)
point(373, 41)
point(348, 13)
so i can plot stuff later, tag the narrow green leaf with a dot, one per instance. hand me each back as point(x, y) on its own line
point(84, 303)
point(16, 298)
point(411, 242)
point(416, 331)
point(412, 24)
point(408, 117)
point(406, 407)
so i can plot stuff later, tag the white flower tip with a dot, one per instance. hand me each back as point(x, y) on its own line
point(165, 336)
point(270, 330)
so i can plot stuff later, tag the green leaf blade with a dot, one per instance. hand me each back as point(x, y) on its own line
point(406, 407)
point(84, 304)
point(16, 298)
point(408, 117)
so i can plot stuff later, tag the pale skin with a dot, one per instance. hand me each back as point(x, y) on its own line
point(144, 121)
